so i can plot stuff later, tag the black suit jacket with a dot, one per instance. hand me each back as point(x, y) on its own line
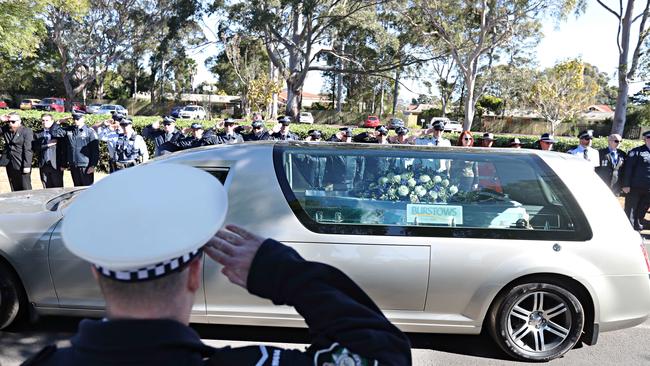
point(39, 145)
point(609, 171)
point(18, 147)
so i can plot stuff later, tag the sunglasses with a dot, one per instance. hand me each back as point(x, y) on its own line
point(467, 139)
point(10, 121)
point(617, 141)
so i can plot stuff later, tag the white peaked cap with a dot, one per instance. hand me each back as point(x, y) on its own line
point(132, 226)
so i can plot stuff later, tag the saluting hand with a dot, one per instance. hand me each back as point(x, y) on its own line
point(234, 248)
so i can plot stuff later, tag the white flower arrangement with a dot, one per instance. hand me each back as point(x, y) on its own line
point(437, 179)
point(403, 191)
point(411, 182)
point(425, 179)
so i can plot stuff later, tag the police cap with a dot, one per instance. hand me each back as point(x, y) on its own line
point(646, 134)
point(77, 115)
point(196, 126)
point(547, 137)
point(488, 136)
point(515, 142)
point(586, 135)
point(382, 130)
point(147, 247)
point(285, 120)
point(167, 120)
point(401, 131)
point(229, 121)
point(347, 130)
point(315, 133)
point(117, 116)
point(257, 124)
point(438, 125)
point(126, 122)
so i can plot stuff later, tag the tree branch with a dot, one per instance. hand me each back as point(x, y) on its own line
point(609, 9)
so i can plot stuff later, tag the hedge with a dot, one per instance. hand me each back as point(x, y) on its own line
point(32, 120)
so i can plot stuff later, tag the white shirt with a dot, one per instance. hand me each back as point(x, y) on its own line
point(439, 165)
point(592, 155)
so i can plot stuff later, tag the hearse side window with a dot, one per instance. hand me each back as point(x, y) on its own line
point(427, 192)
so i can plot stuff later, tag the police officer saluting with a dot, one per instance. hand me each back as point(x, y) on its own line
point(82, 151)
point(197, 138)
point(433, 136)
point(281, 132)
point(17, 154)
point(344, 135)
point(257, 133)
point(229, 136)
point(163, 139)
point(379, 136)
point(130, 148)
point(50, 152)
point(636, 182)
point(314, 135)
point(150, 281)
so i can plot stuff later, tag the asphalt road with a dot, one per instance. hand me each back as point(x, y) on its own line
point(624, 347)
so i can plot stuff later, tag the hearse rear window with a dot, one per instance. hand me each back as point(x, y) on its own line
point(427, 192)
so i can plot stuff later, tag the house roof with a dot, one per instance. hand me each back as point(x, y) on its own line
point(600, 108)
point(305, 96)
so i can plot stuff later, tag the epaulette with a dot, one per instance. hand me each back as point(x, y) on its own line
point(41, 356)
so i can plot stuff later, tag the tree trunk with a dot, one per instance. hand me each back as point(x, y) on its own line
point(444, 106)
point(339, 84)
point(396, 90)
point(469, 103)
point(621, 100)
point(69, 90)
point(100, 88)
point(381, 101)
point(293, 94)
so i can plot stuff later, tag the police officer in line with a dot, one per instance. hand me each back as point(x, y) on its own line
point(17, 153)
point(345, 134)
point(229, 135)
point(50, 152)
point(257, 131)
point(636, 183)
point(487, 140)
point(281, 131)
point(163, 139)
point(130, 148)
point(585, 150)
point(82, 151)
point(402, 137)
point(612, 160)
point(432, 136)
point(196, 138)
point(109, 131)
point(546, 142)
point(150, 287)
point(314, 135)
point(378, 136)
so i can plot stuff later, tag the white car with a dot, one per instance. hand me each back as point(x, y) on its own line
point(453, 126)
point(112, 108)
point(192, 112)
point(306, 117)
point(93, 108)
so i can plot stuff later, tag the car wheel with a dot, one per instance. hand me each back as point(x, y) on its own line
point(10, 297)
point(537, 321)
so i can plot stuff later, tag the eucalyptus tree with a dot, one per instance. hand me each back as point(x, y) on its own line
point(475, 32)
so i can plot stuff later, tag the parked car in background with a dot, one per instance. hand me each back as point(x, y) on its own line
point(175, 111)
point(531, 258)
point(306, 117)
point(395, 122)
point(112, 108)
point(78, 107)
point(93, 108)
point(192, 112)
point(27, 104)
point(50, 105)
point(453, 126)
point(372, 121)
point(4, 104)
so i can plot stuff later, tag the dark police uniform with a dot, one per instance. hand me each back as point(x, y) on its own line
point(163, 141)
point(231, 138)
point(82, 152)
point(189, 142)
point(17, 155)
point(611, 168)
point(127, 154)
point(289, 136)
point(262, 136)
point(50, 158)
point(637, 177)
point(346, 327)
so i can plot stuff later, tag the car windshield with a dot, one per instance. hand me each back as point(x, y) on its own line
point(190, 109)
point(26, 101)
point(111, 107)
point(47, 101)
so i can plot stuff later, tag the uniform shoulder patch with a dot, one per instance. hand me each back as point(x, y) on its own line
point(338, 355)
point(40, 356)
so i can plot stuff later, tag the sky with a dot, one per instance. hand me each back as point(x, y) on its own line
point(591, 36)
